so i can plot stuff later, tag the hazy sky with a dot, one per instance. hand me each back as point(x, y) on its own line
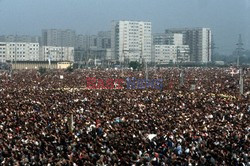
point(226, 18)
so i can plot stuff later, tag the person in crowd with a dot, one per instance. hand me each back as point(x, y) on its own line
point(46, 119)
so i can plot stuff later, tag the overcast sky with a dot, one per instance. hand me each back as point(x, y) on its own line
point(226, 18)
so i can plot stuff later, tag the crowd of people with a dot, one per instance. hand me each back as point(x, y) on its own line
point(54, 119)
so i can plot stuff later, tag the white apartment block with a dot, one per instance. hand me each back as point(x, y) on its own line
point(165, 54)
point(56, 53)
point(206, 43)
point(131, 40)
point(16, 51)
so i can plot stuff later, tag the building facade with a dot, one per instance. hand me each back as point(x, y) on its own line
point(131, 40)
point(21, 65)
point(199, 41)
point(19, 51)
point(56, 53)
point(19, 38)
point(58, 37)
point(93, 47)
point(167, 39)
point(100, 41)
point(86, 42)
point(104, 40)
point(165, 54)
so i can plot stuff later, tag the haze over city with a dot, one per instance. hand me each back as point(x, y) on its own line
point(226, 18)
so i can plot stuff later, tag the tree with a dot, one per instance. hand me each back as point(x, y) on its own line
point(135, 65)
point(42, 70)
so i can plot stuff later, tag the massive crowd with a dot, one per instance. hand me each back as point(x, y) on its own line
point(53, 119)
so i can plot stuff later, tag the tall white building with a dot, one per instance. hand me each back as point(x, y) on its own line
point(165, 54)
point(56, 53)
point(199, 41)
point(131, 40)
point(19, 51)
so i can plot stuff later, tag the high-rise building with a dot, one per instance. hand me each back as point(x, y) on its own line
point(58, 37)
point(104, 39)
point(100, 41)
point(86, 42)
point(10, 51)
point(93, 47)
point(199, 41)
point(131, 40)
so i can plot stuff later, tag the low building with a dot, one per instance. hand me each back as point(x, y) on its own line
point(165, 54)
point(56, 53)
point(16, 51)
point(19, 65)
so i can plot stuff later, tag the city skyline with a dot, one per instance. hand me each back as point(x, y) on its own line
point(226, 21)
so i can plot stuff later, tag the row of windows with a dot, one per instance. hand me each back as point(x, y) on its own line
point(57, 53)
point(160, 53)
point(23, 45)
point(132, 23)
point(13, 52)
point(18, 56)
point(133, 30)
point(172, 49)
point(166, 49)
point(55, 49)
point(34, 49)
point(149, 27)
point(54, 56)
point(17, 52)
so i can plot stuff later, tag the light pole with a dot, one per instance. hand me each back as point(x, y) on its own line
point(241, 82)
point(15, 54)
point(181, 78)
point(146, 70)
